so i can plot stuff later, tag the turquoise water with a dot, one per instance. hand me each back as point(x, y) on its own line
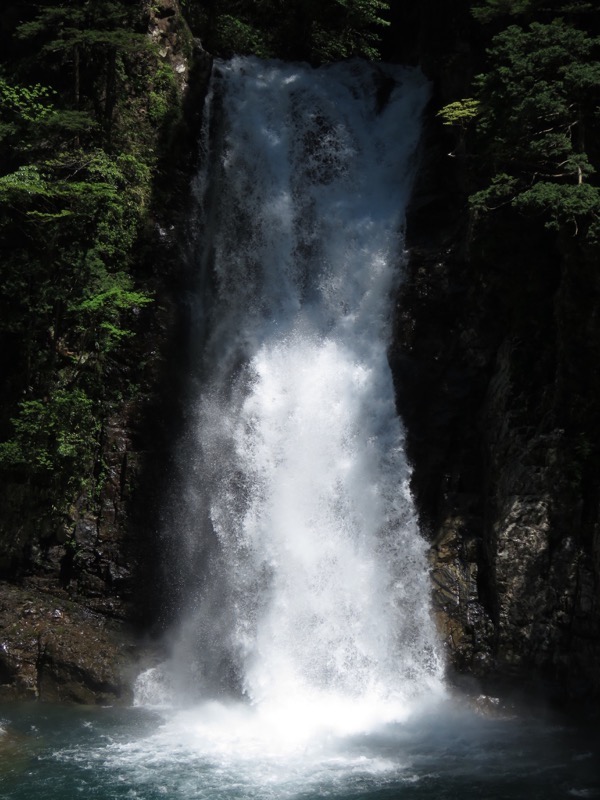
point(57, 753)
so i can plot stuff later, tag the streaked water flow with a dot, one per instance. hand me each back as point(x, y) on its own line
point(306, 608)
point(314, 600)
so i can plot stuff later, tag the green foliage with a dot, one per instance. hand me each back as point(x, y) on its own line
point(86, 41)
point(490, 11)
point(86, 209)
point(312, 30)
point(242, 37)
point(29, 103)
point(459, 113)
point(501, 191)
point(163, 95)
point(563, 205)
point(103, 310)
point(78, 148)
point(575, 208)
point(350, 28)
point(537, 111)
point(54, 439)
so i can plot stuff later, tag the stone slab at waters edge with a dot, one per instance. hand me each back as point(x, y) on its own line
point(53, 650)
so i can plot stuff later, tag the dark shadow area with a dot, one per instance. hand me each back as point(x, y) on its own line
point(168, 260)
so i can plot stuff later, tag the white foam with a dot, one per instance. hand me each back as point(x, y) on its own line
point(311, 604)
point(153, 688)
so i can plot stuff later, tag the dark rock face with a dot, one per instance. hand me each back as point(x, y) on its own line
point(495, 354)
point(76, 587)
point(494, 358)
point(63, 635)
point(54, 650)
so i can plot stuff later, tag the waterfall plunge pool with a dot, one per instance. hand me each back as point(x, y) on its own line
point(215, 752)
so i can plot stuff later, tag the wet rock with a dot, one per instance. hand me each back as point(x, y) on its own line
point(494, 358)
point(95, 566)
point(54, 651)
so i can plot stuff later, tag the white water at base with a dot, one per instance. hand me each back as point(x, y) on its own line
point(307, 602)
point(63, 753)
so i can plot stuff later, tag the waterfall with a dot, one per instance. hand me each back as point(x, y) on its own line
point(303, 662)
point(305, 584)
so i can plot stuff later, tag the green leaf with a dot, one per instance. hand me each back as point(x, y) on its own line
point(562, 204)
point(460, 112)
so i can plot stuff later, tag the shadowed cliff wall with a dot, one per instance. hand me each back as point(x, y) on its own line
point(494, 355)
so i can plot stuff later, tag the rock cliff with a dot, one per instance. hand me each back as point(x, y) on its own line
point(494, 355)
point(75, 595)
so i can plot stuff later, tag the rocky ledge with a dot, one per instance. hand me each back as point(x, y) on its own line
point(54, 650)
point(494, 356)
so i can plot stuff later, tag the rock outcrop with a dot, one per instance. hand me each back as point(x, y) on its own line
point(76, 587)
point(53, 649)
point(494, 357)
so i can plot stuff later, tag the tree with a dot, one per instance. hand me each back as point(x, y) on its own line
point(492, 11)
point(538, 101)
point(459, 116)
point(78, 140)
point(299, 29)
point(87, 37)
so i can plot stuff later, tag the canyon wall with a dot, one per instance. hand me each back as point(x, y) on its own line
point(495, 350)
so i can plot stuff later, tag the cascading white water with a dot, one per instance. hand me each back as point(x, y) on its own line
point(312, 598)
